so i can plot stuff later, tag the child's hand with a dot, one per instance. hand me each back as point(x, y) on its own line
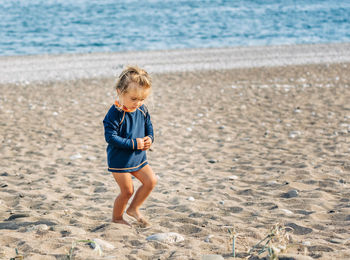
point(140, 143)
point(147, 143)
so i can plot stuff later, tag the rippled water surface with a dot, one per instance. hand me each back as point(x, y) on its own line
point(80, 26)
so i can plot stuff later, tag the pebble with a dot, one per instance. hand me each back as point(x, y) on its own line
point(222, 202)
point(287, 211)
point(96, 247)
point(290, 194)
point(212, 161)
point(294, 134)
point(170, 237)
point(102, 244)
point(272, 183)
point(212, 257)
point(233, 177)
point(40, 229)
point(76, 156)
point(336, 241)
point(207, 239)
point(100, 189)
point(190, 198)
point(306, 243)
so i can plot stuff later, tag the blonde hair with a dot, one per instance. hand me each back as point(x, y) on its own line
point(133, 74)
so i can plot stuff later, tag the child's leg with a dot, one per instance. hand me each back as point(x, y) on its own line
point(126, 190)
point(148, 179)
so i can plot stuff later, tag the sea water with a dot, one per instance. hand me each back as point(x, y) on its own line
point(84, 26)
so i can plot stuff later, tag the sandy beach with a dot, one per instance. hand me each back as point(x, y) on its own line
point(262, 140)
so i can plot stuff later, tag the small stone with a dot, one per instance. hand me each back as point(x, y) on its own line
point(170, 237)
point(212, 161)
point(103, 244)
point(235, 209)
point(272, 183)
point(207, 239)
point(336, 241)
point(65, 233)
point(41, 229)
point(190, 198)
point(294, 134)
point(189, 129)
point(286, 211)
point(55, 113)
point(222, 202)
point(212, 257)
point(76, 156)
point(233, 177)
point(100, 189)
point(290, 194)
point(306, 243)
point(221, 127)
point(91, 158)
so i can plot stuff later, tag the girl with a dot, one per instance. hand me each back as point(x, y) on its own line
point(129, 133)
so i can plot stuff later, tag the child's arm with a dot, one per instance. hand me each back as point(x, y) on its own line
point(149, 128)
point(112, 137)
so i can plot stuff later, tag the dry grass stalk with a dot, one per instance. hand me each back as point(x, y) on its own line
point(18, 256)
point(274, 243)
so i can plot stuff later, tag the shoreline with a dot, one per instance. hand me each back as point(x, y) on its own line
point(47, 68)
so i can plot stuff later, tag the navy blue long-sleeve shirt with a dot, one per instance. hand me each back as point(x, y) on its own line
point(121, 130)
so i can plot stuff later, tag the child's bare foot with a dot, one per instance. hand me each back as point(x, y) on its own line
point(137, 215)
point(121, 221)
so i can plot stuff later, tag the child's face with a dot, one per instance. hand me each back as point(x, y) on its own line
point(134, 97)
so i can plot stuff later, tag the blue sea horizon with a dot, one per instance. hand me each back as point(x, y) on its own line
point(81, 26)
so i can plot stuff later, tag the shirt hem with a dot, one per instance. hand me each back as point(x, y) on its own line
point(129, 169)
